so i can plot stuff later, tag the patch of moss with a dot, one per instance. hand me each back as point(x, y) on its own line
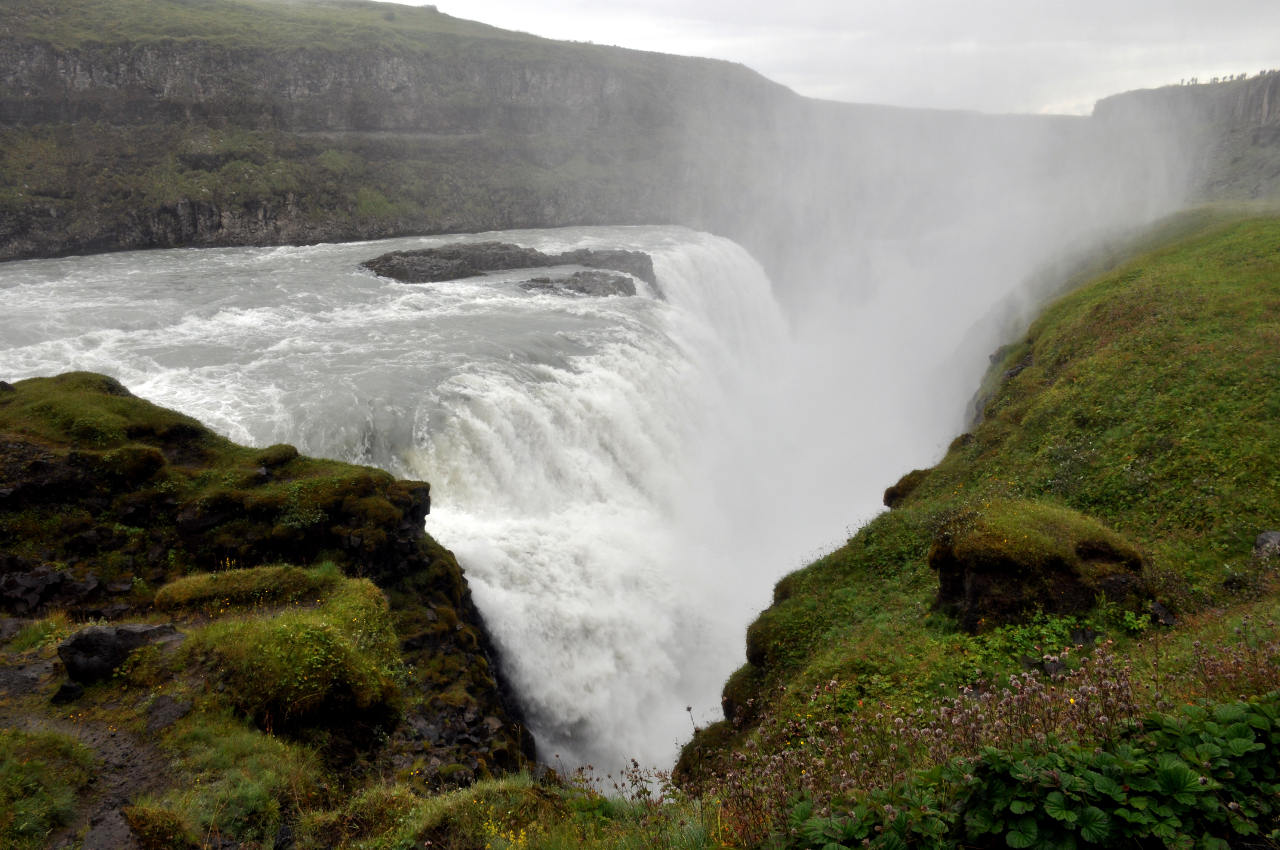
point(252, 587)
point(322, 666)
point(1011, 558)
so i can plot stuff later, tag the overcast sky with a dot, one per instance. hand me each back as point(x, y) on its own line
point(989, 55)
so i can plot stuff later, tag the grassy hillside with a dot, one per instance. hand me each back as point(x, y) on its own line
point(1126, 456)
point(274, 24)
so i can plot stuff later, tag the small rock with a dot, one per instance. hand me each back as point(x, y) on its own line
point(1162, 615)
point(10, 626)
point(67, 692)
point(92, 654)
point(1267, 545)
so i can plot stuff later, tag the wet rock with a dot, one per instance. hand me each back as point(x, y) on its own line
point(452, 262)
point(93, 654)
point(595, 283)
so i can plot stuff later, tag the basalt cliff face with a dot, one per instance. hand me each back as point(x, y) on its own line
point(161, 124)
point(132, 140)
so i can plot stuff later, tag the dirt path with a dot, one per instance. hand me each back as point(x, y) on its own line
point(128, 765)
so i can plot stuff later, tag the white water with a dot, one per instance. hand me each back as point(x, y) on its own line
point(586, 454)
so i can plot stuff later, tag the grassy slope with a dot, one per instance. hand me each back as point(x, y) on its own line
point(1146, 400)
point(285, 25)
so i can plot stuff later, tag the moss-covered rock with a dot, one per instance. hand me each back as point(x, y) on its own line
point(107, 501)
point(1011, 559)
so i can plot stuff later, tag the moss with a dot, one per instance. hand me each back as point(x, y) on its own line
point(277, 455)
point(307, 667)
point(252, 587)
point(893, 496)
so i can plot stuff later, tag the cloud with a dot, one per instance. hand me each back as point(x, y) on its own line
point(989, 55)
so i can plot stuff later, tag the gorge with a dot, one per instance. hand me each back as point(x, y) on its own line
point(622, 477)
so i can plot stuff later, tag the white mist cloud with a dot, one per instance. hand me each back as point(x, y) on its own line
point(988, 55)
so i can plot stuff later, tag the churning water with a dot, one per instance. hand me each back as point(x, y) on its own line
point(592, 459)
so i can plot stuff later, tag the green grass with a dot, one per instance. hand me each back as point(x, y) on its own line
point(254, 587)
point(1138, 414)
point(243, 782)
point(325, 24)
point(206, 502)
point(306, 666)
point(41, 775)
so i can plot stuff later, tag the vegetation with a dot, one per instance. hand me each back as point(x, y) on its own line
point(331, 24)
point(40, 775)
point(1132, 427)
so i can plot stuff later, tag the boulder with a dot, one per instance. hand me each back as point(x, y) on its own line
point(93, 654)
point(1003, 563)
point(894, 496)
point(452, 262)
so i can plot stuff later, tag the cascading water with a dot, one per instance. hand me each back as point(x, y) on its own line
point(577, 446)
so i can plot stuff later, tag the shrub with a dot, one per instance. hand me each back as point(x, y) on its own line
point(1207, 776)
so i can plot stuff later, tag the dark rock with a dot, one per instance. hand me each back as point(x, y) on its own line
point(165, 712)
point(1162, 615)
point(452, 262)
point(67, 692)
point(1267, 545)
point(93, 654)
point(10, 626)
point(26, 592)
point(594, 282)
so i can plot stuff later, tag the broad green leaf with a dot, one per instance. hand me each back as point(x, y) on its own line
point(981, 821)
point(1022, 833)
point(1055, 806)
point(1108, 786)
point(1095, 825)
point(1021, 807)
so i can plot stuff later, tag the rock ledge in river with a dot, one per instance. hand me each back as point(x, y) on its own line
point(451, 262)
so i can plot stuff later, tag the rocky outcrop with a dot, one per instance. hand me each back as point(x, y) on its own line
point(468, 259)
point(1013, 558)
point(107, 497)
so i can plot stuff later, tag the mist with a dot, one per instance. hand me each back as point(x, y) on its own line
point(922, 242)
